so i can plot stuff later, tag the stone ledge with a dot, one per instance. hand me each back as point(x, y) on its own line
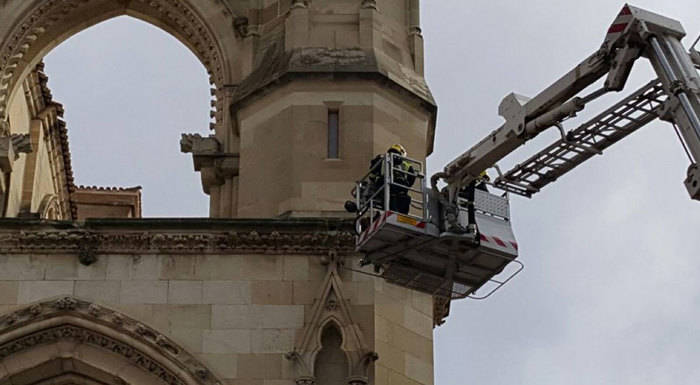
point(178, 236)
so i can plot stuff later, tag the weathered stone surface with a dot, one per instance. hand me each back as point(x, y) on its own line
point(217, 301)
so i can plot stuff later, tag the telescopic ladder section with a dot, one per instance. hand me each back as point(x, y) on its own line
point(582, 143)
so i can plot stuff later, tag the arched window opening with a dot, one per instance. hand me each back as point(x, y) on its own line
point(129, 90)
point(331, 366)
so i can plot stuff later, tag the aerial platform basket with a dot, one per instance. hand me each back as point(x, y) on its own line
point(413, 250)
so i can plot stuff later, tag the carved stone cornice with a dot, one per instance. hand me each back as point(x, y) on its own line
point(82, 322)
point(214, 165)
point(202, 237)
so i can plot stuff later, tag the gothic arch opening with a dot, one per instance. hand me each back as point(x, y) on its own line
point(331, 366)
point(31, 29)
point(130, 90)
point(70, 341)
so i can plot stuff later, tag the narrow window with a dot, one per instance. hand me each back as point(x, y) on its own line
point(333, 134)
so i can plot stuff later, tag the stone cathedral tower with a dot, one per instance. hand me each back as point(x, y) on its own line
point(304, 93)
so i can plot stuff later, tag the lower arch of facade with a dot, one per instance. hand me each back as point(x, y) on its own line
point(70, 341)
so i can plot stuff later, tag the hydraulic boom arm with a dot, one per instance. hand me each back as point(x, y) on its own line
point(674, 97)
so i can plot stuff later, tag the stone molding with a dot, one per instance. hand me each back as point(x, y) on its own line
point(74, 320)
point(331, 307)
point(44, 18)
point(283, 241)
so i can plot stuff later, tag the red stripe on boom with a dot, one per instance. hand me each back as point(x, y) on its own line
point(515, 245)
point(615, 28)
point(483, 238)
point(625, 11)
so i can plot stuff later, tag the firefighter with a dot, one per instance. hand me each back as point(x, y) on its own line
point(404, 177)
point(467, 193)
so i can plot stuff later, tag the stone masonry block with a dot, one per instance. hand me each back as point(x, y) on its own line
point(184, 316)
point(234, 317)
point(226, 341)
point(226, 292)
point(281, 316)
point(20, 268)
point(390, 356)
point(144, 292)
point(408, 341)
point(419, 370)
point(185, 292)
point(96, 271)
point(305, 292)
point(257, 316)
point(178, 267)
point(418, 322)
point(422, 303)
point(224, 268)
point(296, 268)
point(106, 292)
point(32, 291)
point(262, 267)
point(134, 267)
point(272, 340)
point(61, 267)
point(271, 293)
point(146, 267)
point(223, 365)
point(8, 292)
point(260, 366)
point(189, 338)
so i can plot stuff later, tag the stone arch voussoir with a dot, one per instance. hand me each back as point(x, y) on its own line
point(71, 338)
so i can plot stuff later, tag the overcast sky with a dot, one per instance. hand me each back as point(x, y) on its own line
point(611, 289)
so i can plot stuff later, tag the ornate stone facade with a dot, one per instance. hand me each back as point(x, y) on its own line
point(272, 301)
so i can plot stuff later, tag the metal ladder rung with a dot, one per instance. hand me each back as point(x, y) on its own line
point(588, 139)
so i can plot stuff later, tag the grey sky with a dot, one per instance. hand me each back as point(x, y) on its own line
point(610, 294)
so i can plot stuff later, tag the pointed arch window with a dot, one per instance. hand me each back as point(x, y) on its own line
point(331, 366)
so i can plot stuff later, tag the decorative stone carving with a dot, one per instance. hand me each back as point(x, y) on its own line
point(358, 380)
point(35, 310)
point(332, 307)
point(66, 303)
point(94, 310)
point(215, 166)
point(240, 24)
point(305, 380)
point(8, 155)
point(22, 143)
point(369, 4)
point(111, 333)
point(300, 4)
point(130, 241)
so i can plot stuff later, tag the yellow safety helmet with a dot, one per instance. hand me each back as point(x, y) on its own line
point(398, 149)
point(484, 176)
